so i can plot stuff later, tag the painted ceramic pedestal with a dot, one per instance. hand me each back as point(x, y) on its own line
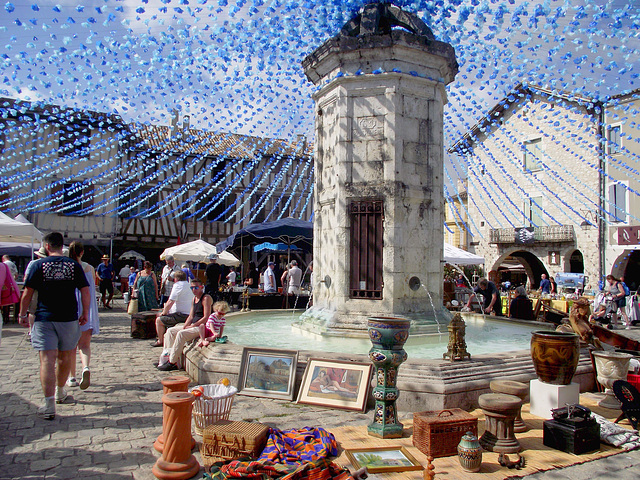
point(555, 356)
point(611, 366)
point(470, 453)
point(388, 335)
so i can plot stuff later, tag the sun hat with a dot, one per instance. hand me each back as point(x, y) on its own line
point(212, 256)
point(41, 252)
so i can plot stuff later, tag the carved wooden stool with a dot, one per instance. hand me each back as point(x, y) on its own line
point(517, 389)
point(500, 411)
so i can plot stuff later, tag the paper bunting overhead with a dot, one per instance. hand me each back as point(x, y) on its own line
point(122, 70)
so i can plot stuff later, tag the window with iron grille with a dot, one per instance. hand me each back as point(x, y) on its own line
point(366, 249)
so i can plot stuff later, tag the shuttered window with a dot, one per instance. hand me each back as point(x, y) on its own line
point(366, 249)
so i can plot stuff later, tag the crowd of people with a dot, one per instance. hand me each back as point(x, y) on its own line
point(609, 306)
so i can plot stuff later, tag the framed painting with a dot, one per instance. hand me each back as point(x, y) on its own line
point(383, 459)
point(268, 373)
point(336, 384)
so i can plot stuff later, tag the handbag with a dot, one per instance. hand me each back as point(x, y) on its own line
point(10, 293)
point(133, 306)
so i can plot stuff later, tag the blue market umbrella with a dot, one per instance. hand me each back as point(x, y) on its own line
point(290, 231)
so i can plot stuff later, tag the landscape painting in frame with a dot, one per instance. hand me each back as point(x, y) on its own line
point(336, 384)
point(383, 459)
point(268, 373)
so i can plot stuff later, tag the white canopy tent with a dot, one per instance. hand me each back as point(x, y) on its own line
point(18, 236)
point(457, 256)
point(199, 251)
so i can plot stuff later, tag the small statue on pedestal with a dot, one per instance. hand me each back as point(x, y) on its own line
point(457, 348)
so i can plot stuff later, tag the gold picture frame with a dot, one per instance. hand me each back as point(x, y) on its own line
point(336, 384)
point(383, 459)
point(269, 373)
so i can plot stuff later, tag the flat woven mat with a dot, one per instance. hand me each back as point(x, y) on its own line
point(538, 457)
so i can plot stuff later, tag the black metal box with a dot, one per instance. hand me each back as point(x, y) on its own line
point(577, 438)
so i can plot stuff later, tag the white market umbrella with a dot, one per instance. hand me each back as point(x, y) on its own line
point(457, 256)
point(132, 254)
point(199, 251)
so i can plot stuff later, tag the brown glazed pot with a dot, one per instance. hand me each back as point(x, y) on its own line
point(555, 355)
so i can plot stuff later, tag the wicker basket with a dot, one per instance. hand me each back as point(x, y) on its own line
point(438, 434)
point(207, 411)
point(226, 440)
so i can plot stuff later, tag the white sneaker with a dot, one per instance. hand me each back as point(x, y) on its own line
point(86, 379)
point(72, 382)
point(61, 395)
point(47, 413)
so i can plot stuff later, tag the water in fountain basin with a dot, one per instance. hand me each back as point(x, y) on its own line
point(273, 329)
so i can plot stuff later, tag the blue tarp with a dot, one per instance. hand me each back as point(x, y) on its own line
point(274, 247)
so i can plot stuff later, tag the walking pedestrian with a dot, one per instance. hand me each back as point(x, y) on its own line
point(56, 329)
point(105, 274)
point(92, 327)
point(213, 273)
point(167, 278)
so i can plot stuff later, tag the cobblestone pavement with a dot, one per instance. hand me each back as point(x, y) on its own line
point(108, 432)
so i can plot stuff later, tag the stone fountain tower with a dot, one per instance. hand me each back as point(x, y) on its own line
point(379, 201)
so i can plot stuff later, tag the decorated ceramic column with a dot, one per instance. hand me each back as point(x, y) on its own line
point(174, 383)
point(378, 213)
point(388, 335)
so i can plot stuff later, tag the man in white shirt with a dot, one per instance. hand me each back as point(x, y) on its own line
point(124, 278)
point(295, 278)
point(168, 278)
point(6, 259)
point(270, 279)
point(177, 307)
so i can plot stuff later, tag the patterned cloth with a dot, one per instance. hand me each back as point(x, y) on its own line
point(321, 469)
point(296, 446)
point(296, 454)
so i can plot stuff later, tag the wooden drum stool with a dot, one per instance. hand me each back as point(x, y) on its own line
point(517, 389)
point(500, 411)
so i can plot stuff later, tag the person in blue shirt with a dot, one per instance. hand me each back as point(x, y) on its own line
point(106, 273)
point(545, 284)
point(132, 278)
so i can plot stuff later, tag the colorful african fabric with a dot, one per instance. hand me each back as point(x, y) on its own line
point(320, 469)
point(297, 446)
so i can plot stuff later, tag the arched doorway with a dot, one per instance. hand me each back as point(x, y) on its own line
point(632, 270)
point(531, 268)
point(576, 262)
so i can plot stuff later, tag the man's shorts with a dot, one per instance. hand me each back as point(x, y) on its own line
point(61, 336)
point(172, 319)
point(106, 286)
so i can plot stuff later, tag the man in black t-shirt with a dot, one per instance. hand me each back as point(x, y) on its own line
point(491, 295)
point(213, 272)
point(56, 330)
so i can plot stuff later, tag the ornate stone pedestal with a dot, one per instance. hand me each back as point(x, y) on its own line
point(175, 383)
point(611, 366)
point(176, 462)
point(388, 335)
point(500, 411)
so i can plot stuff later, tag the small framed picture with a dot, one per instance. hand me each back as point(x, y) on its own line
point(268, 373)
point(336, 384)
point(383, 459)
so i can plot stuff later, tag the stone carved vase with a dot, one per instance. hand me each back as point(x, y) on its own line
point(470, 453)
point(555, 356)
point(611, 366)
point(388, 335)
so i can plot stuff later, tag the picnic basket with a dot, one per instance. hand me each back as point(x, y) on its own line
point(214, 404)
point(438, 434)
point(227, 440)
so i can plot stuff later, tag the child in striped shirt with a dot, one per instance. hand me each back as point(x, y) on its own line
point(214, 326)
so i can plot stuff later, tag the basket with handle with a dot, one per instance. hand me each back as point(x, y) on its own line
point(437, 434)
point(214, 404)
